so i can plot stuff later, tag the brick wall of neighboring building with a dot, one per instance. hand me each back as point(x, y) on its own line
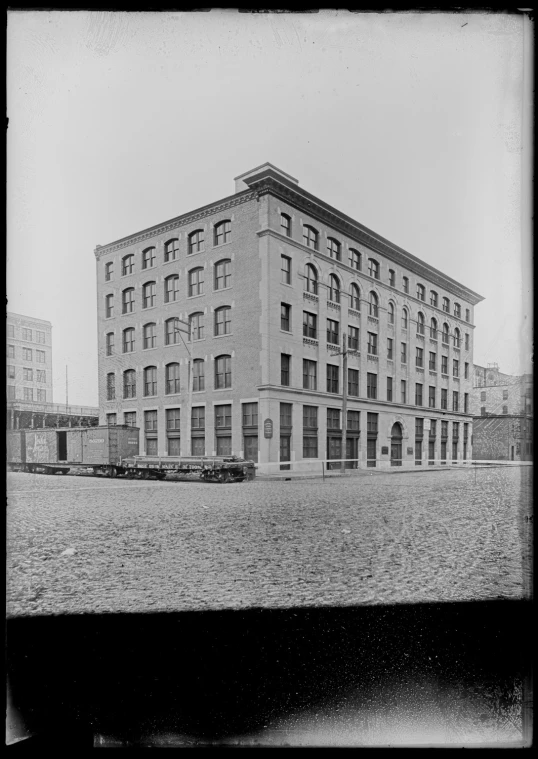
point(28, 359)
point(502, 438)
point(257, 249)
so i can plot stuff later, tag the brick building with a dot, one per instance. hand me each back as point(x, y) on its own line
point(29, 359)
point(269, 280)
point(503, 415)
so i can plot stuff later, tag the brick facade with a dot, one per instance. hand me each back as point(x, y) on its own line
point(28, 359)
point(266, 320)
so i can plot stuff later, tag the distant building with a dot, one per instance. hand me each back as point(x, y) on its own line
point(269, 281)
point(29, 379)
point(29, 359)
point(502, 408)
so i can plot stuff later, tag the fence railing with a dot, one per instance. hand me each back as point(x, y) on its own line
point(322, 467)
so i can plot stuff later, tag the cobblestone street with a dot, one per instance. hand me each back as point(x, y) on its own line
point(82, 544)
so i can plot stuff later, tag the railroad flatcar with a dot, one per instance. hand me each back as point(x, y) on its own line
point(112, 452)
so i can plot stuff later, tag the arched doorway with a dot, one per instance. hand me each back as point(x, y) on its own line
point(396, 436)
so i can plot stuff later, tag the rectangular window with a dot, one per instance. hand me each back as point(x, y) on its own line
point(172, 418)
point(431, 397)
point(404, 353)
point(28, 394)
point(223, 416)
point(42, 395)
point(333, 335)
point(198, 445)
point(285, 270)
point(309, 374)
point(355, 259)
point(172, 379)
point(198, 418)
point(285, 224)
point(149, 295)
point(27, 334)
point(40, 337)
point(310, 328)
point(403, 388)
point(405, 284)
point(467, 315)
point(171, 292)
point(420, 357)
point(390, 343)
point(198, 375)
point(129, 418)
point(285, 313)
point(110, 387)
point(433, 362)
point(224, 445)
point(109, 306)
point(109, 271)
point(466, 403)
point(418, 394)
point(505, 395)
point(196, 282)
point(466, 371)
point(285, 363)
point(392, 278)
point(310, 417)
point(110, 344)
point(444, 398)
point(483, 395)
point(223, 372)
point(223, 275)
point(11, 392)
point(285, 415)
point(250, 415)
point(455, 401)
point(28, 375)
point(223, 321)
point(11, 351)
point(371, 423)
point(353, 338)
point(310, 446)
point(150, 381)
point(10, 330)
point(11, 372)
point(333, 419)
point(111, 420)
point(40, 357)
point(371, 385)
point(446, 305)
point(421, 292)
point(310, 432)
point(444, 364)
point(353, 420)
point(455, 368)
point(372, 343)
point(389, 388)
point(418, 452)
point(353, 382)
point(332, 378)
point(433, 427)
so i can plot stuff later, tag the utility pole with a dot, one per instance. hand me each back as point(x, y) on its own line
point(66, 392)
point(343, 353)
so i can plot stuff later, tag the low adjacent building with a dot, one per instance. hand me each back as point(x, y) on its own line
point(502, 406)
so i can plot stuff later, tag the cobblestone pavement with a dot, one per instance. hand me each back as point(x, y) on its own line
point(84, 544)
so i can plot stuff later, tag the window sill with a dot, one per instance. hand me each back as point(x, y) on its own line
point(148, 308)
point(228, 334)
point(222, 289)
point(221, 244)
point(221, 389)
point(193, 297)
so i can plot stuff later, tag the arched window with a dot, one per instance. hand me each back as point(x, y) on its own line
point(420, 324)
point(150, 381)
point(457, 310)
point(149, 294)
point(433, 329)
point(355, 297)
point(128, 344)
point(109, 343)
point(196, 322)
point(354, 259)
point(109, 271)
point(171, 288)
point(392, 312)
point(198, 375)
point(405, 284)
point(311, 280)
point(223, 232)
point(129, 383)
point(445, 333)
point(421, 292)
point(334, 249)
point(171, 379)
point(128, 301)
point(127, 264)
point(196, 281)
point(223, 274)
point(223, 372)
point(457, 338)
point(334, 288)
point(223, 321)
point(171, 250)
point(405, 318)
point(434, 298)
point(148, 258)
point(373, 304)
point(310, 237)
point(446, 305)
point(171, 331)
point(196, 241)
point(110, 386)
point(150, 335)
point(109, 306)
point(285, 224)
point(373, 268)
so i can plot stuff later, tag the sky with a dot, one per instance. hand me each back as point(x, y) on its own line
point(417, 125)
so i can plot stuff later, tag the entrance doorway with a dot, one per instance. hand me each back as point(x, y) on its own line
point(396, 436)
point(285, 451)
point(62, 446)
point(251, 448)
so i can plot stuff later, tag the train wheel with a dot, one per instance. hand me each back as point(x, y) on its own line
point(225, 476)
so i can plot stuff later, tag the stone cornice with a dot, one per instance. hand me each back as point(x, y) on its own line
point(179, 221)
point(301, 200)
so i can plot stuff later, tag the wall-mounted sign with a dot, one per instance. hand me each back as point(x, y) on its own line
point(410, 451)
point(385, 450)
point(268, 428)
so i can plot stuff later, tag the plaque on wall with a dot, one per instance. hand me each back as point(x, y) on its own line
point(410, 451)
point(385, 449)
point(268, 428)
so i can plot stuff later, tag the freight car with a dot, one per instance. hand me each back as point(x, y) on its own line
point(112, 452)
